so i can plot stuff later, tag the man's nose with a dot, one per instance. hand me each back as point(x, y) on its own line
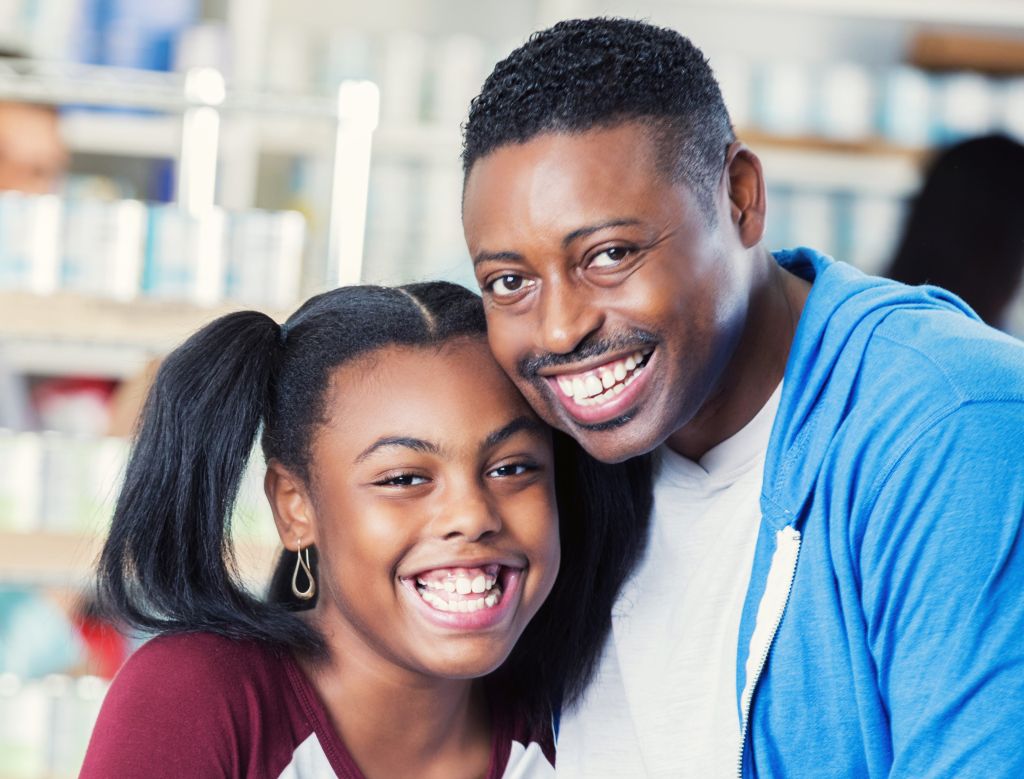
point(567, 317)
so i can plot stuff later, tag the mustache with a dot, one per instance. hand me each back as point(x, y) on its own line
point(587, 349)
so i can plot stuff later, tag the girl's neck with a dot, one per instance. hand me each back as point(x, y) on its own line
point(395, 722)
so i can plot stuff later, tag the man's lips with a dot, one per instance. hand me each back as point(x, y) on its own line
point(605, 391)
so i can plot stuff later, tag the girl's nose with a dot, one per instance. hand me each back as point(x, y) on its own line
point(468, 514)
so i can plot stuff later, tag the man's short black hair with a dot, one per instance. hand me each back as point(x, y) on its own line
point(596, 73)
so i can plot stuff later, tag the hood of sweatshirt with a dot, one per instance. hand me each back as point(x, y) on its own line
point(841, 313)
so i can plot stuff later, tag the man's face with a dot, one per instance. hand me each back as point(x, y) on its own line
point(32, 154)
point(612, 301)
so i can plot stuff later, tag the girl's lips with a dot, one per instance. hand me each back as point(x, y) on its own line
point(596, 413)
point(510, 580)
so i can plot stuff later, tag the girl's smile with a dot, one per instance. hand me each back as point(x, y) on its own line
point(467, 597)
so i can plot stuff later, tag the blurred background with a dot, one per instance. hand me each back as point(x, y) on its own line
point(165, 161)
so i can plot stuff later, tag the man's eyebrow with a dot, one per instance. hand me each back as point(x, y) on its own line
point(516, 425)
point(582, 232)
point(575, 235)
point(417, 444)
point(480, 257)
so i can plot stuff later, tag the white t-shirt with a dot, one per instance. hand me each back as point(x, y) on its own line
point(663, 703)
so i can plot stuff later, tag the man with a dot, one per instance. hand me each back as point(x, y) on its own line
point(832, 580)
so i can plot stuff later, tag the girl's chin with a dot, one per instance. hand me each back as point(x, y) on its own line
point(464, 664)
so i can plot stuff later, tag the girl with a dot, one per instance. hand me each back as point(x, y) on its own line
point(414, 492)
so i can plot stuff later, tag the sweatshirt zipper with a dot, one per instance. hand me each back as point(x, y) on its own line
point(787, 535)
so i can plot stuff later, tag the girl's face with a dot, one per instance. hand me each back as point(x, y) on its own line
point(434, 505)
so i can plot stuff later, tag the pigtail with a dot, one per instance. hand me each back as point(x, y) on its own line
point(168, 563)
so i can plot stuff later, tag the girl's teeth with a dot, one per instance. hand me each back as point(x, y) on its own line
point(465, 606)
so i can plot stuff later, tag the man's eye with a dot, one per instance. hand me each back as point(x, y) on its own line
point(609, 257)
point(508, 284)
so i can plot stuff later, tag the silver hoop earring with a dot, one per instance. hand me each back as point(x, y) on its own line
point(310, 591)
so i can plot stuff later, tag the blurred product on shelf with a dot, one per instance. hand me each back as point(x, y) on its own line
point(15, 408)
point(73, 405)
point(861, 227)
point(65, 484)
point(964, 231)
point(36, 636)
point(130, 34)
point(46, 724)
point(58, 483)
point(123, 249)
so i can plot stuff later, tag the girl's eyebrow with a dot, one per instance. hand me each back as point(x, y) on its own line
point(418, 444)
point(523, 422)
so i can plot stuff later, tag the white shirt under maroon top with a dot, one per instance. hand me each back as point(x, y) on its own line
point(663, 703)
point(200, 705)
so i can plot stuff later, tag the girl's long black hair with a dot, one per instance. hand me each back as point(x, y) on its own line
point(168, 564)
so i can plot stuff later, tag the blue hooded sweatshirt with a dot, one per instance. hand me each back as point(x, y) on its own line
point(883, 631)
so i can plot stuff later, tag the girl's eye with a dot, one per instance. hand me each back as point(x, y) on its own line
point(402, 480)
point(609, 257)
point(513, 469)
point(507, 285)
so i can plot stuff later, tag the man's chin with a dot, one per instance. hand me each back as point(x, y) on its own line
point(612, 441)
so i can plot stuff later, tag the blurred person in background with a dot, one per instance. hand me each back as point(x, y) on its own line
point(33, 156)
point(965, 230)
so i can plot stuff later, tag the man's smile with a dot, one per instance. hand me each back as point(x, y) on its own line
point(605, 391)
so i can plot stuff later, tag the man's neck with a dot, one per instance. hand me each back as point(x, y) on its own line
point(757, 365)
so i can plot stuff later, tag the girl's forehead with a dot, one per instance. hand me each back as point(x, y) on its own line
point(454, 393)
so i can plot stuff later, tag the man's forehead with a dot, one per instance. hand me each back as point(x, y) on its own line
point(572, 180)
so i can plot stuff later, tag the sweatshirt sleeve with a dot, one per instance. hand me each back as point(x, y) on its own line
point(168, 713)
point(942, 569)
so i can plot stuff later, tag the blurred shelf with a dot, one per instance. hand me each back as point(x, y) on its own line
point(129, 135)
point(941, 50)
point(64, 83)
point(869, 166)
point(66, 333)
point(159, 135)
point(977, 13)
point(46, 558)
point(867, 147)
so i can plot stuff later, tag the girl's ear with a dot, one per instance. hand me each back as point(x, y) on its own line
point(292, 506)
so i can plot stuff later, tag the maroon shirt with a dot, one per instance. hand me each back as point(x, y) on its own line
point(203, 705)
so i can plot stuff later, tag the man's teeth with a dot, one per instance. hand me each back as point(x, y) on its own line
point(605, 383)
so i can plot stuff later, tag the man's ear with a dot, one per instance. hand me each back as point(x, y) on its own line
point(292, 506)
point(747, 200)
